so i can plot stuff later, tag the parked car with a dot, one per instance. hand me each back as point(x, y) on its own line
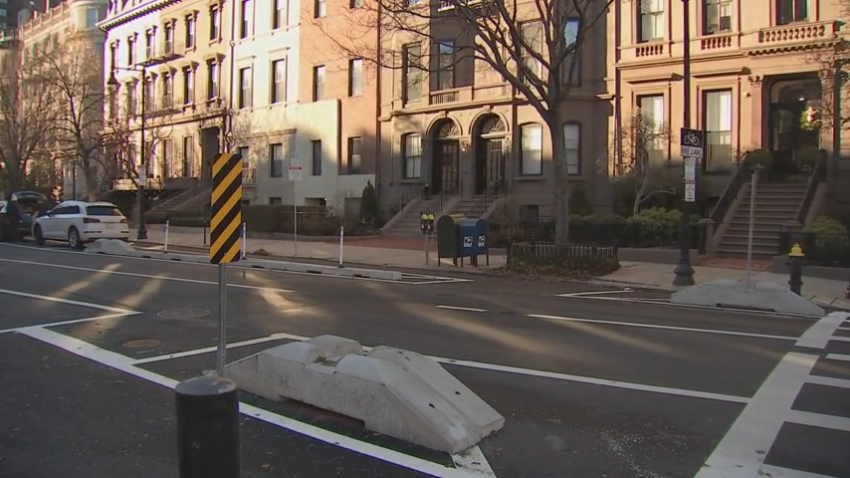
point(79, 222)
point(30, 203)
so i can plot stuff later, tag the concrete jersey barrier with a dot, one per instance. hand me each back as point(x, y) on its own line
point(116, 247)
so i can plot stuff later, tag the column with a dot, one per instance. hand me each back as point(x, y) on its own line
point(757, 106)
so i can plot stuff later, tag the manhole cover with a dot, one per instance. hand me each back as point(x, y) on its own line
point(183, 314)
point(141, 343)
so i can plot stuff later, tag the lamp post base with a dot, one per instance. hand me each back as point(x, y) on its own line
point(684, 273)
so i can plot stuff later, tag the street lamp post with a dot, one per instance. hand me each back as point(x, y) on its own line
point(684, 272)
point(142, 233)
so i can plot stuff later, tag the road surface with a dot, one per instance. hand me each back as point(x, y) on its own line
point(592, 382)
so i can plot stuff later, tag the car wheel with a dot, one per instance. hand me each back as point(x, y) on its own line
point(38, 236)
point(74, 238)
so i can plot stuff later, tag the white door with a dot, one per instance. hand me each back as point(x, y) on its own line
point(48, 222)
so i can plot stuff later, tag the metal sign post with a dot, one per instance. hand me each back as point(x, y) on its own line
point(225, 235)
point(691, 143)
point(295, 177)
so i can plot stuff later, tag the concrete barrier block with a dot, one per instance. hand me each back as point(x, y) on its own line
point(765, 296)
point(113, 247)
point(395, 392)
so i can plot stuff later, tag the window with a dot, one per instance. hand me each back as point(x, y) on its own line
point(318, 82)
point(276, 159)
point(92, 17)
point(319, 8)
point(718, 16)
point(167, 158)
point(414, 72)
point(790, 11)
point(275, 201)
point(132, 100)
point(278, 93)
point(718, 129)
point(212, 79)
point(531, 159)
point(412, 156)
point(188, 86)
point(279, 15)
point(355, 3)
point(148, 97)
point(445, 65)
point(167, 92)
point(532, 33)
point(188, 156)
point(652, 111)
point(103, 211)
point(355, 157)
point(243, 151)
point(149, 52)
point(190, 32)
point(168, 39)
point(113, 55)
point(245, 21)
point(651, 20)
point(316, 156)
point(572, 61)
point(215, 23)
point(355, 77)
point(572, 147)
point(131, 51)
point(246, 90)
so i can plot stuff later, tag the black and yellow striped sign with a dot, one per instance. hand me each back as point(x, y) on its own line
point(226, 209)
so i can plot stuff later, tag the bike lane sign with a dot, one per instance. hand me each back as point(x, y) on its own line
point(692, 143)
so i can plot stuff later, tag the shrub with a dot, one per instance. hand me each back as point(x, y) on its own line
point(370, 210)
point(761, 160)
point(559, 261)
point(825, 225)
point(826, 241)
point(657, 217)
point(578, 201)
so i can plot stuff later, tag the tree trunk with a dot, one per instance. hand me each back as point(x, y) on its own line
point(562, 186)
point(89, 177)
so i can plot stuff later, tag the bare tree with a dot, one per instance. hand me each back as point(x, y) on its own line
point(75, 75)
point(534, 45)
point(643, 144)
point(26, 116)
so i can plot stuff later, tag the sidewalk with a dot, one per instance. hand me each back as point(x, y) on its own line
point(409, 253)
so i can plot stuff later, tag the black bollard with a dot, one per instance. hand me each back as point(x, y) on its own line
point(208, 428)
point(795, 261)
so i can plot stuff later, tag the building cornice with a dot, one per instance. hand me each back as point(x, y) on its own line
point(135, 13)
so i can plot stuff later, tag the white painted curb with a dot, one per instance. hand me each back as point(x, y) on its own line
point(114, 247)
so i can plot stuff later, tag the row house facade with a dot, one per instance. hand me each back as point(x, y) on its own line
point(457, 126)
point(755, 69)
point(236, 75)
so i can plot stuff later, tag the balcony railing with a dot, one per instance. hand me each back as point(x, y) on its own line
point(716, 42)
point(249, 175)
point(798, 32)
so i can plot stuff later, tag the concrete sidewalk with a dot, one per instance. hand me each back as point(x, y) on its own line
point(391, 252)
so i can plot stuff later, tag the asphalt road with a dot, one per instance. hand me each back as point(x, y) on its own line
point(588, 387)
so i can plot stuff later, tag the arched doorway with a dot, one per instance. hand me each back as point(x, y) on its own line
point(445, 163)
point(788, 100)
point(490, 134)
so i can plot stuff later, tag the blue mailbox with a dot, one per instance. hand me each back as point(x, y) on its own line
point(468, 237)
point(481, 228)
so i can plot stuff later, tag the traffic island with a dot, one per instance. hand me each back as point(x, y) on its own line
point(116, 247)
point(395, 392)
point(761, 296)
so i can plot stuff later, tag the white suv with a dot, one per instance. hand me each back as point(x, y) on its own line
point(79, 222)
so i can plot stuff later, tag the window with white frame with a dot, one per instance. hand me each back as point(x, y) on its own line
point(790, 11)
point(92, 17)
point(651, 20)
point(532, 34)
point(246, 88)
point(412, 150)
point(531, 158)
point(572, 62)
point(279, 15)
point(718, 16)
point(649, 138)
point(276, 160)
point(717, 106)
point(212, 79)
point(572, 147)
point(355, 77)
point(278, 93)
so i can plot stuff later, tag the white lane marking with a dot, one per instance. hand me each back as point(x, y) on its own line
point(820, 333)
point(462, 309)
point(237, 266)
point(828, 381)
point(124, 364)
point(474, 461)
point(662, 327)
point(147, 276)
point(71, 322)
point(819, 420)
point(838, 338)
point(66, 301)
point(779, 472)
point(189, 353)
point(533, 373)
point(742, 451)
point(585, 294)
point(838, 357)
